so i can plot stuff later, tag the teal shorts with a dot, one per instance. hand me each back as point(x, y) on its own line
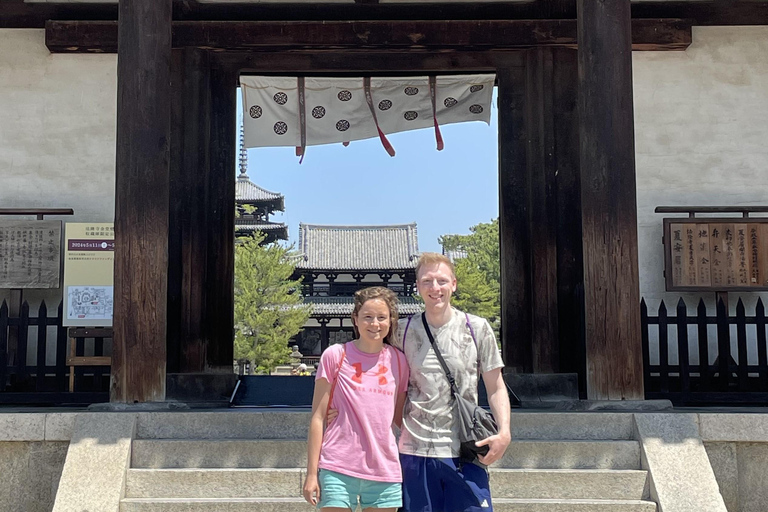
point(337, 490)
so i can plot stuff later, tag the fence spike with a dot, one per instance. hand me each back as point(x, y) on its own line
point(662, 307)
point(681, 304)
point(4, 307)
point(740, 307)
point(759, 306)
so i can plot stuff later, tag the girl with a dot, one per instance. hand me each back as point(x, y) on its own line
point(365, 380)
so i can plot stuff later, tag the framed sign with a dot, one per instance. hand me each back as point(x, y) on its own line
point(89, 259)
point(711, 254)
point(30, 253)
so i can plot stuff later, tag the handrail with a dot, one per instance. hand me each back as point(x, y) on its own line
point(40, 212)
point(693, 210)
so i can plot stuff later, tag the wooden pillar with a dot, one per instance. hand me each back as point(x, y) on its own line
point(514, 232)
point(608, 201)
point(141, 201)
point(220, 221)
point(542, 198)
point(323, 334)
point(187, 343)
point(570, 276)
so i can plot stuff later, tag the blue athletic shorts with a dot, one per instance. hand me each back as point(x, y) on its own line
point(444, 485)
point(337, 490)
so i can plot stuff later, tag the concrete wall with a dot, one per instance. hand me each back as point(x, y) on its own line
point(33, 447)
point(57, 132)
point(737, 447)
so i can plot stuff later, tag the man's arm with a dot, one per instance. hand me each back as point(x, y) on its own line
point(499, 402)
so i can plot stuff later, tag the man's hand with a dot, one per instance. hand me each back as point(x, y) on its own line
point(497, 444)
point(332, 413)
point(311, 489)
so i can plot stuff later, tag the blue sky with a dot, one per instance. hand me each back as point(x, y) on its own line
point(444, 192)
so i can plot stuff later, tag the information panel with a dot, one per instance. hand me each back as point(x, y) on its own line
point(89, 258)
point(716, 254)
point(30, 253)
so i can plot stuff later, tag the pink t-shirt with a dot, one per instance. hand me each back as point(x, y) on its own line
point(360, 442)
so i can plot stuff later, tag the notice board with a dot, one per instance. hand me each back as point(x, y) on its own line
point(89, 260)
point(30, 254)
point(716, 254)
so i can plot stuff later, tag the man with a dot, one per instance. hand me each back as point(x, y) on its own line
point(434, 478)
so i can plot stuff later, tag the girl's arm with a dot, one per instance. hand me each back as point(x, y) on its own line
point(315, 439)
point(399, 403)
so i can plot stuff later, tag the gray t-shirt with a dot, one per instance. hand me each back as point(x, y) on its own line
point(429, 427)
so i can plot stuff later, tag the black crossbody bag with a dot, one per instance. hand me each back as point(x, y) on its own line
point(475, 423)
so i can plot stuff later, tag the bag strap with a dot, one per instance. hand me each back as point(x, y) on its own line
point(448, 374)
point(336, 378)
point(393, 354)
point(407, 325)
point(477, 347)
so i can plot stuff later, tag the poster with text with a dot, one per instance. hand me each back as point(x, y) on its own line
point(89, 259)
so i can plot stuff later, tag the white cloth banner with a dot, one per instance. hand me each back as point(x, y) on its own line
point(342, 109)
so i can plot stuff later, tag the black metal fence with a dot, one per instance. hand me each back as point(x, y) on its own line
point(698, 360)
point(43, 383)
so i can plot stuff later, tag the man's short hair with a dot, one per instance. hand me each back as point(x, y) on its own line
point(433, 258)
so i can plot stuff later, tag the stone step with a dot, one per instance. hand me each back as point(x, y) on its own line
point(299, 505)
point(573, 484)
point(214, 483)
point(571, 455)
point(277, 453)
point(232, 424)
point(259, 483)
point(206, 453)
point(256, 424)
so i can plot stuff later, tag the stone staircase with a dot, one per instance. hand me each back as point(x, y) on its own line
point(574, 462)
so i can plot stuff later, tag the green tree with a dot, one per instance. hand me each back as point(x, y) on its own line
point(478, 272)
point(268, 303)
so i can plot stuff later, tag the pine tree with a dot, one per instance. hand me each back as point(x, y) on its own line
point(268, 303)
point(478, 273)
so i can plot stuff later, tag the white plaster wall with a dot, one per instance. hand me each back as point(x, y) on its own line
point(57, 132)
point(701, 132)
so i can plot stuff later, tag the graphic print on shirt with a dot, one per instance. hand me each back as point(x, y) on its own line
point(380, 373)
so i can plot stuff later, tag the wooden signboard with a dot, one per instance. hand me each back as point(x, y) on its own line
point(707, 254)
point(30, 253)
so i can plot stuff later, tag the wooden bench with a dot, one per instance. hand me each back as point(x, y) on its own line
point(74, 360)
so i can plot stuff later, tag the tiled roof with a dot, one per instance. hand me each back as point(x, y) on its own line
point(258, 225)
point(393, 247)
point(342, 306)
point(454, 255)
point(246, 190)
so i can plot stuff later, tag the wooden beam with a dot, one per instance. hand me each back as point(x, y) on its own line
point(141, 201)
point(374, 62)
point(17, 14)
point(608, 202)
point(421, 36)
